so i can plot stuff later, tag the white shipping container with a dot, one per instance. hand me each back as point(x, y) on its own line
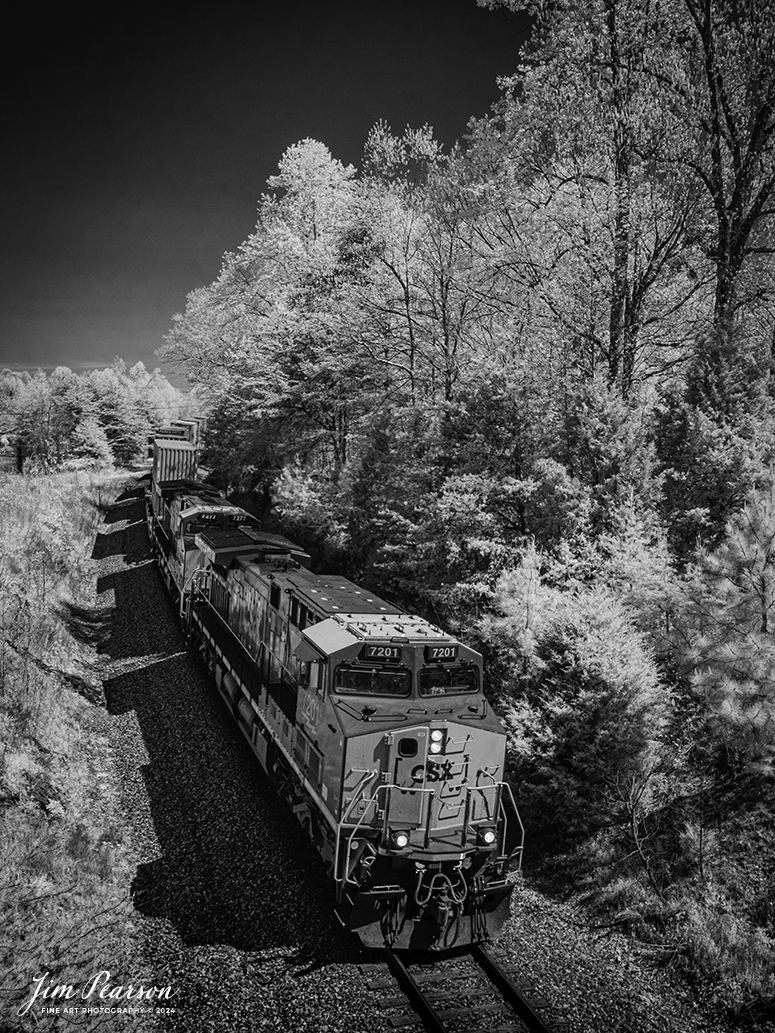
point(173, 460)
point(190, 428)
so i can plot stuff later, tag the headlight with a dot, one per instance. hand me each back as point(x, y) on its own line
point(435, 747)
point(399, 840)
point(437, 735)
point(486, 837)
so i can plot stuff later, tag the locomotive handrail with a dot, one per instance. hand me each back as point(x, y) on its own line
point(498, 809)
point(517, 850)
point(470, 790)
point(499, 806)
point(192, 587)
point(354, 828)
point(367, 777)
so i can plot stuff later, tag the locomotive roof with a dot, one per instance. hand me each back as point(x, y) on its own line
point(366, 625)
point(199, 497)
point(334, 594)
point(253, 537)
point(187, 488)
point(222, 545)
point(342, 631)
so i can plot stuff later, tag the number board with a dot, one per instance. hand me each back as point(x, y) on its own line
point(216, 517)
point(438, 653)
point(389, 653)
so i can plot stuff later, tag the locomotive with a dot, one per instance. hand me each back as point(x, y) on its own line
point(371, 721)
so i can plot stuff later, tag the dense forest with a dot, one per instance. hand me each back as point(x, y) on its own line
point(72, 421)
point(526, 388)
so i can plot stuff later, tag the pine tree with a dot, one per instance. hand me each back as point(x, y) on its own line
point(584, 701)
point(90, 445)
point(728, 376)
point(712, 453)
point(727, 630)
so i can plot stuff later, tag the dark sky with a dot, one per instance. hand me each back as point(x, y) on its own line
point(139, 137)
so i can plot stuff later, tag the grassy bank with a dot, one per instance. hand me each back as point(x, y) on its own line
point(64, 904)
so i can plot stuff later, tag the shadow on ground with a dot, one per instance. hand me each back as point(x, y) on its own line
point(234, 866)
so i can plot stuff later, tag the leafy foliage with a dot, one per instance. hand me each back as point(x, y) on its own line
point(729, 648)
point(585, 702)
point(61, 828)
point(75, 421)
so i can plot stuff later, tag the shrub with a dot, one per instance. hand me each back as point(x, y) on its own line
point(584, 703)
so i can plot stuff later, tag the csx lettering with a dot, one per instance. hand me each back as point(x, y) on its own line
point(432, 771)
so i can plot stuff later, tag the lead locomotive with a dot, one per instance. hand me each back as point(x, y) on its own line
point(372, 721)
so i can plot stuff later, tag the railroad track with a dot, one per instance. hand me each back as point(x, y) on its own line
point(475, 991)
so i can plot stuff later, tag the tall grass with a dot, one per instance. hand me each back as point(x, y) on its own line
point(64, 864)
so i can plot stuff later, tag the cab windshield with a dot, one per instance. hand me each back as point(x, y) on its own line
point(372, 681)
point(448, 681)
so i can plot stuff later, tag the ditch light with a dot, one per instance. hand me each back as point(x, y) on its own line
point(399, 839)
point(486, 836)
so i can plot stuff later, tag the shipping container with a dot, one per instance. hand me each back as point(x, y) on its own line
point(173, 460)
point(190, 428)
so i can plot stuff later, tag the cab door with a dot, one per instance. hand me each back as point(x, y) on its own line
point(409, 797)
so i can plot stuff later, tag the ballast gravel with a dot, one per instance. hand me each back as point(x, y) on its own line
point(233, 908)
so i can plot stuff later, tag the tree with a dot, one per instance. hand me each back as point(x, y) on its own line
point(427, 295)
point(674, 157)
point(714, 438)
point(591, 219)
point(232, 329)
point(635, 564)
point(725, 86)
point(584, 702)
point(726, 635)
point(90, 445)
point(125, 425)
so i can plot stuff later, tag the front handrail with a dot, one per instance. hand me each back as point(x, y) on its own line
point(521, 846)
point(356, 797)
point(372, 800)
point(347, 833)
point(500, 810)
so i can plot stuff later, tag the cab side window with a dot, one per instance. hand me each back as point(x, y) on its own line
point(312, 677)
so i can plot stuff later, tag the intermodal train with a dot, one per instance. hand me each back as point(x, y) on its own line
point(371, 721)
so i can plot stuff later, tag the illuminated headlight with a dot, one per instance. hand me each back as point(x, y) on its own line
point(486, 837)
point(437, 735)
point(399, 840)
point(435, 747)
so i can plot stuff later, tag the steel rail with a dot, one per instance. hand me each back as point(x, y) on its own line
point(430, 1017)
point(511, 992)
point(524, 1008)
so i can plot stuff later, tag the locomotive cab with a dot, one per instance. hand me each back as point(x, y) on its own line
point(414, 770)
